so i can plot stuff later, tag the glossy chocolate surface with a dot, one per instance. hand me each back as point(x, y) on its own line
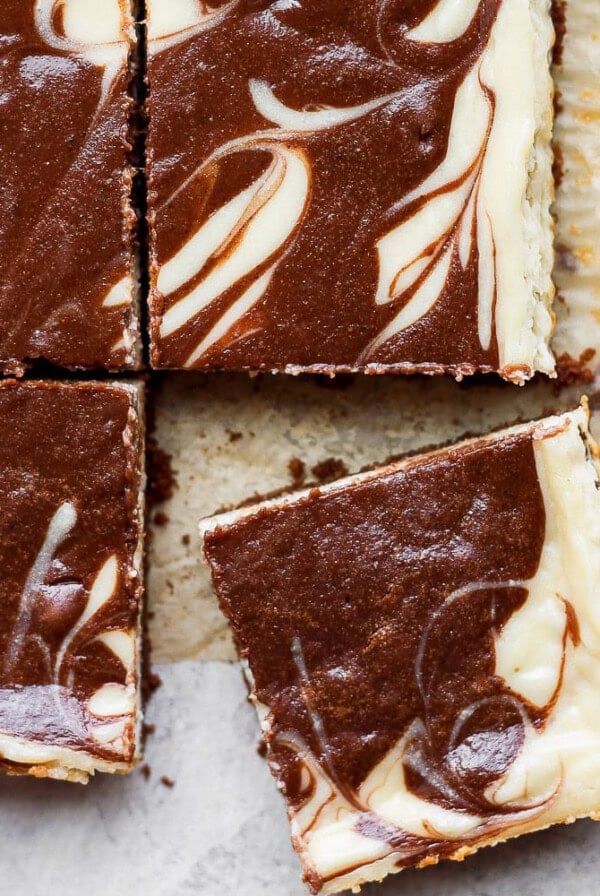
point(318, 310)
point(64, 218)
point(369, 613)
point(69, 529)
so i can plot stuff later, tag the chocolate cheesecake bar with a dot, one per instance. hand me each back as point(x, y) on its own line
point(71, 533)
point(351, 188)
point(423, 647)
point(68, 285)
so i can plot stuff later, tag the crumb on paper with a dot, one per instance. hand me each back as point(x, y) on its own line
point(330, 469)
point(559, 18)
point(167, 781)
point(152, 682)
point(161, 477)
point(558, 165)
point(571, 370)
point(297, 469)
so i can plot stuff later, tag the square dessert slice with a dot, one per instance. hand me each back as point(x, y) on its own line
point(356, 188)
point(423, 643)
point(68, 285)
point(71, 533)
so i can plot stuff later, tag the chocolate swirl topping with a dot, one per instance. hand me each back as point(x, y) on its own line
point(68, 593)
point(65, 253)
point(369, 617)
point(354, 113)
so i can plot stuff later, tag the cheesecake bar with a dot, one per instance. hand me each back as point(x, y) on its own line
point(423, 647)
point(71, 533)
point(68, 284)
point(341, 188)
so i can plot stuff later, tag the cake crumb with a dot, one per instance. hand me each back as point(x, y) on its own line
point(146, 771)
point(152, 682)
point(297, 470)
point(168, 782)
point(330, 469)
point(185, 539)
point(571, 370)
point(559, 18)
point(234, 436)
point(558, 165)
point(161, 519)
point(161, 477)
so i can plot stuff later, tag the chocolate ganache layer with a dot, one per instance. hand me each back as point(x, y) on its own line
point(409, 634)
point(70, 589)
point(331, 189)
point(67, 295)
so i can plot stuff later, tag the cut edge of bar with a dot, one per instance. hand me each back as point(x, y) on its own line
point(538, 428)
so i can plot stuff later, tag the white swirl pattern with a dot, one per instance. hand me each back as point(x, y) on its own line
point(327, 821)
point(60, 526)
point(95, 32)
point(113, 700)
point(447, 21)
point(545, 678)
point(309, 122)
point(98, 31)
point(446, 214)
point(493, 120)
point(238, 239)
point(448, 217)
point(263, 218)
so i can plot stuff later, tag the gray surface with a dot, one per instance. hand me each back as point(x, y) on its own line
point(221, 830)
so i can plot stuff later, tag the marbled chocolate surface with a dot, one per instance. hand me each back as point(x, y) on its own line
point(66, 293)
